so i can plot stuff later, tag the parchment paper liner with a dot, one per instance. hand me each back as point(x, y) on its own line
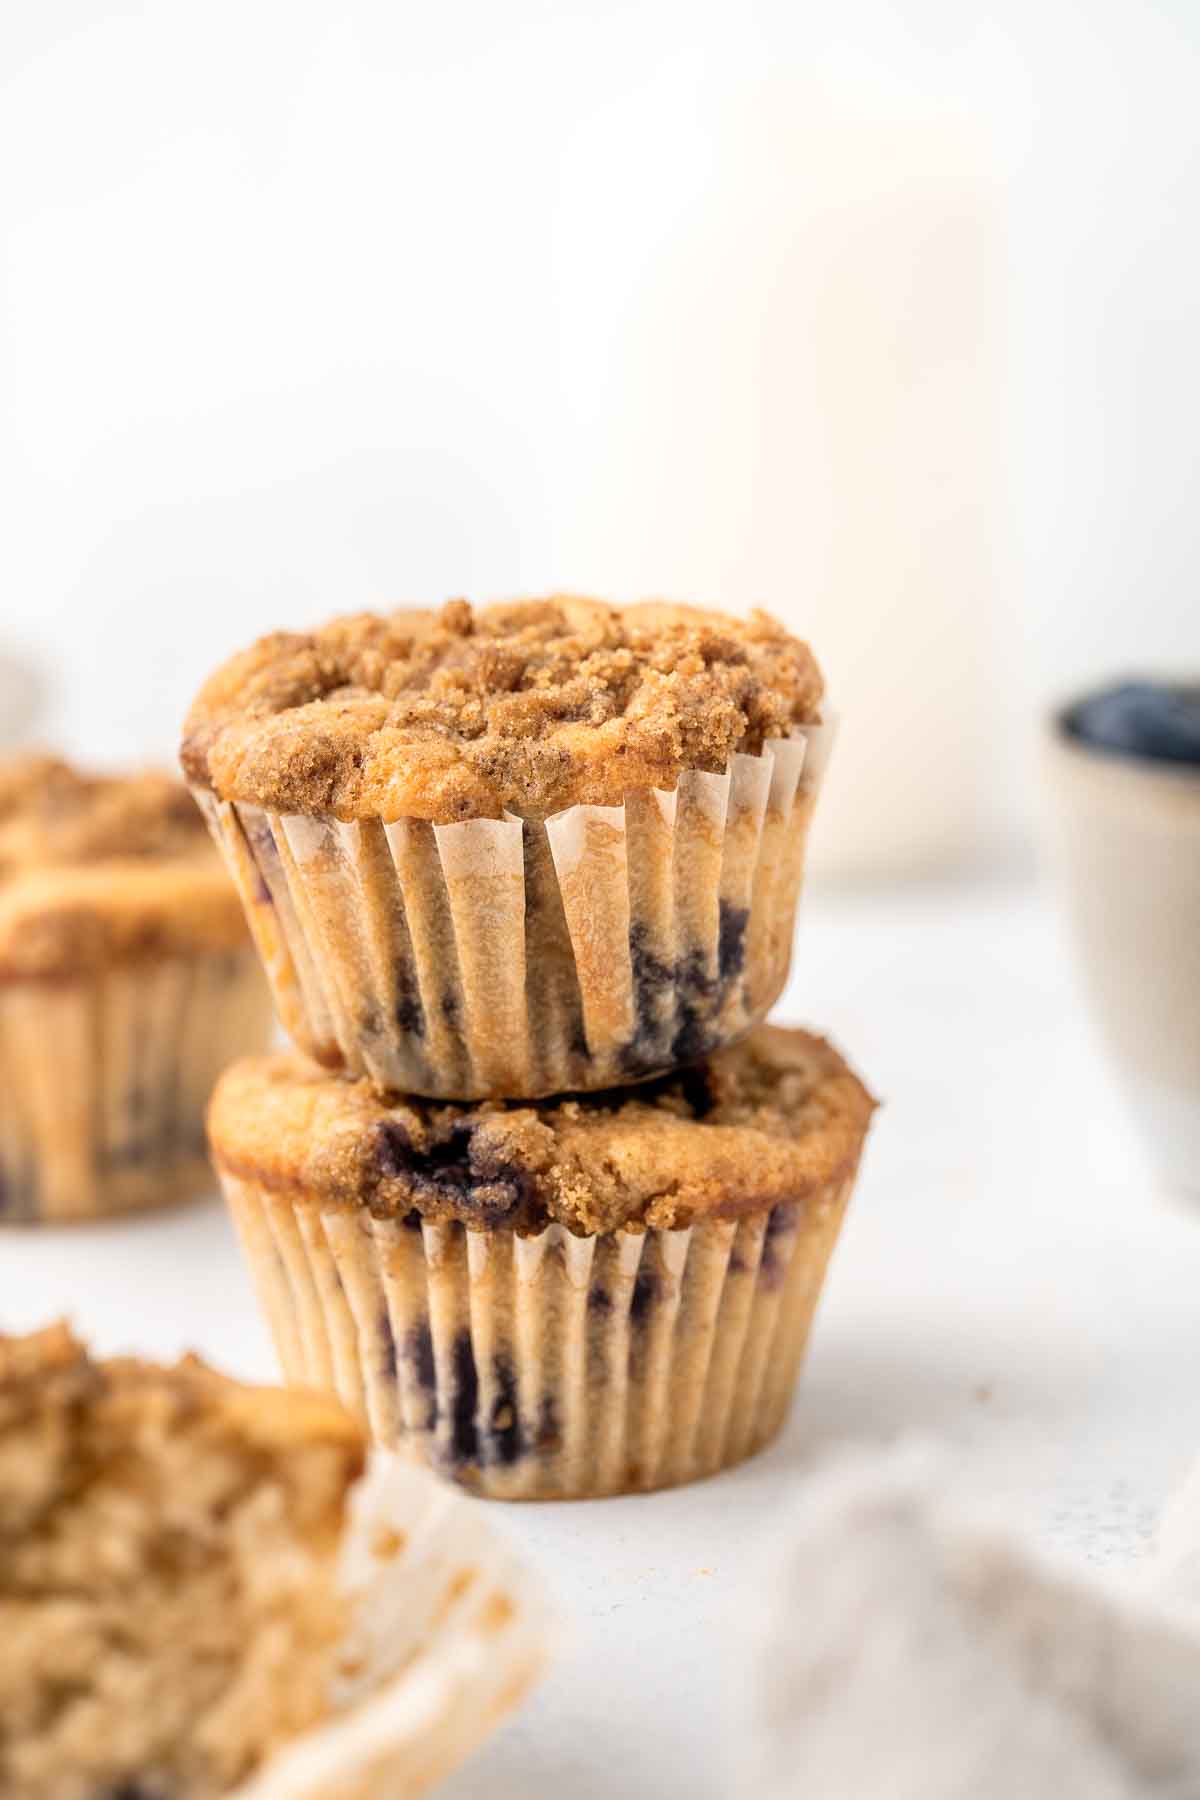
point(104, 1078)
point(511, 958)
point(548, 1366)
point(449, 1632)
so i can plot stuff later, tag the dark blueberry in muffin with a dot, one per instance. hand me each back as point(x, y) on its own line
point(1158, 720)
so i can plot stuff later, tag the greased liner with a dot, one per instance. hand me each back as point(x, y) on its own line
point(104, 1078)
point(448, 1631)
point(514, 958)
point(548, 1366)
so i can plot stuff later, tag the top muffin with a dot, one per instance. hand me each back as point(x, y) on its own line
point(94, 867)
point(527, 707)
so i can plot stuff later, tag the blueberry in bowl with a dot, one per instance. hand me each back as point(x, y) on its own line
point(1159, 720)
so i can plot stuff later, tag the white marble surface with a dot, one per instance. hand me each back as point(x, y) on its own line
point(1008, 1279)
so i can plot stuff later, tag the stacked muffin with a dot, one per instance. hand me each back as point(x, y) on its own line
point(542, 1198)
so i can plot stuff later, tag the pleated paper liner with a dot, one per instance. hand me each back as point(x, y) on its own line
point(104, 1078)
point(448, 1632)
point(548, 1366)
point(514, 958)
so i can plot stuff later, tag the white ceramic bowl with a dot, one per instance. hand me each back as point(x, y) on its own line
point(1126, 834)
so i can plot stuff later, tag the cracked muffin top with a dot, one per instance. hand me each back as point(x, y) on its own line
point(527, 706)
point(778, 1117)
point(99, 867)
point(168, 1571)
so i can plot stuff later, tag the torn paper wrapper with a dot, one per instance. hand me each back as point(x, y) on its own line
point(448, 1631)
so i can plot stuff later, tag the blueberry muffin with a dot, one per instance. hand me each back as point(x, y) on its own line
point(541, 846)
point(168, 1597)
point(205, 1589)
point(579, 1297)
point(127, 981)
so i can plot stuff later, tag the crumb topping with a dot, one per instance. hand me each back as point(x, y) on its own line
point(529, 706)
point(52, 813)
point(168, 1546)
point(96, 868)
point(778, 1116)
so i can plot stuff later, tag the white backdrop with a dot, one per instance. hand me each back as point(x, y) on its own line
point(880, 315)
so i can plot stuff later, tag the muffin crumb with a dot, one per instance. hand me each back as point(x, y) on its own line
point(168, 1545)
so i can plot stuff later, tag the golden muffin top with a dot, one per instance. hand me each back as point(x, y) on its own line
point(527, 706)
point(778, 1117)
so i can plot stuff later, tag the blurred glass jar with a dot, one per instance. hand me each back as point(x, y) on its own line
point(22, 694)
point(794, 400)
point(1124, 770)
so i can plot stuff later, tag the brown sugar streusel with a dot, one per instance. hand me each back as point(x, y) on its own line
point(526, 706)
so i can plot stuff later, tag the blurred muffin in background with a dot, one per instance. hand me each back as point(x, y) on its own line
point(127, 982)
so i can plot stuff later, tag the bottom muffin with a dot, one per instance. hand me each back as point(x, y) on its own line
point(571, 1298)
